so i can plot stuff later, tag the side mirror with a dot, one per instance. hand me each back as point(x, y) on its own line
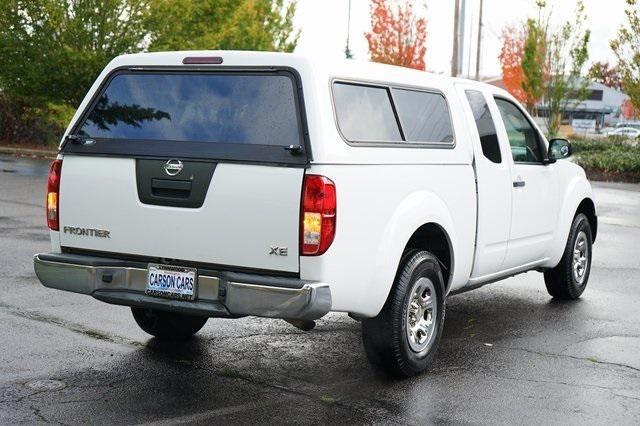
point(559, 149)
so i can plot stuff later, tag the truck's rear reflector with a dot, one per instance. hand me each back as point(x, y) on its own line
point(53, 195)
point(318, 216)
point(196, 60)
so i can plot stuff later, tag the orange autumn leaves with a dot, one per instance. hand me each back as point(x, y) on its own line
point(397, 36)
point(513, 39)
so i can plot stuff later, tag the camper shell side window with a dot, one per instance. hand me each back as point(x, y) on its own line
point(390, 115)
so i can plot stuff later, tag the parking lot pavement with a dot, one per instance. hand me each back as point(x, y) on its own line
point(509, 353)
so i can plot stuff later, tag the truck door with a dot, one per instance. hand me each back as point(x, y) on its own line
point(493, 174)
point(534, 195)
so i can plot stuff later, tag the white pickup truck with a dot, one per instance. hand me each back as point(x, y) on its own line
point(192, 185)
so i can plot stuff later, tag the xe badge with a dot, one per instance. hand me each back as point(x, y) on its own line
point(278, 251)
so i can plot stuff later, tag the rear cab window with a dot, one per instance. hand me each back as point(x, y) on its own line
point(248, 116)
point(485, 126)
point(385, 115)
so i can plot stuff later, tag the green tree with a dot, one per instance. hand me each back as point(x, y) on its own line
point(553, 65)
point(52, 50)
point(222, 24)
point(626, 47)
point(534, 51)
point(566, 84)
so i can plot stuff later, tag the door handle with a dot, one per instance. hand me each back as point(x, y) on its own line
point(176, 185)
point(518, 183)
point(167, 188)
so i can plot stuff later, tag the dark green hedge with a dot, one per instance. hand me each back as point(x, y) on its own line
point(607, 155)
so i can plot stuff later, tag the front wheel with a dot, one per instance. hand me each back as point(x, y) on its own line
point(404, 337)
point(167, 325)
point(568, 280)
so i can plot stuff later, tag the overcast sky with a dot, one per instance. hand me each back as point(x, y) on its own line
point(324, 28)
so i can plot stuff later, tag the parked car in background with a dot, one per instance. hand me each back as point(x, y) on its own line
point(629, 132)
point(192, 185)
point(634, 124)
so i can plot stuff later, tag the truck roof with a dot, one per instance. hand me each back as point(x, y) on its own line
point(323, 67)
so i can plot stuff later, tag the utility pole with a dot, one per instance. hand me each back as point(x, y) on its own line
point(462, 20)
point(456, 34)
point(347, 50)
point(478, 51)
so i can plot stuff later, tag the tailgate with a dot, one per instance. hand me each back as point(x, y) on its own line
point(188, 166)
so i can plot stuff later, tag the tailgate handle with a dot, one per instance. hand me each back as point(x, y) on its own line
point(170, 188)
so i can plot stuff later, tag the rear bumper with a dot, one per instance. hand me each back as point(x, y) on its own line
point(219, 294)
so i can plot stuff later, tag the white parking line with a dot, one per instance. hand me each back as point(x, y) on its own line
point(192, 418)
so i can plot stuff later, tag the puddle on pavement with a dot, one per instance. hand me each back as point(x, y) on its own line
point(24, 166)
point(45, 385)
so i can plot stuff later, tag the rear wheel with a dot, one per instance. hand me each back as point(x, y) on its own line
point(404, 337)
point(568, 280)
point(167, 325)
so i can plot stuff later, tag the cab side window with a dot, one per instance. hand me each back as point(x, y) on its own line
point(523, 137)
point(485, 126)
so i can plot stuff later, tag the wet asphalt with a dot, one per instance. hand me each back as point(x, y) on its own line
point(509, 354)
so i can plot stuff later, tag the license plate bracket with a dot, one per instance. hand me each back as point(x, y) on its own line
point(171, 282)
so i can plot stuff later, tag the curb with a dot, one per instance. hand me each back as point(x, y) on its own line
point(28, 152)
point(620, 177)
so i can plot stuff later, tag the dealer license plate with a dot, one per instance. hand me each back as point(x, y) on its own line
point(173, 282)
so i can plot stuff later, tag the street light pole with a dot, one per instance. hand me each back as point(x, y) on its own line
point(347, 50)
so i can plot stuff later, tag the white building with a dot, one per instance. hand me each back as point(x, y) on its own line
point(601, 108)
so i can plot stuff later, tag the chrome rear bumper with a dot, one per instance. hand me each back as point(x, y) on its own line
point(219, 294)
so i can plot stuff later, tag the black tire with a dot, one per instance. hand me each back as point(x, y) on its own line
point(386, 337)
point(561, 281)
point(167, 325)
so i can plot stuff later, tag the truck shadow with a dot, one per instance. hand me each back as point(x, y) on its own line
point(267, 369)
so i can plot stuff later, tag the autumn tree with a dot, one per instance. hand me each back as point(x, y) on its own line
point(511, 53)
point(627, 111)
point(626, 47)
point(397, 35)
point(604, 73)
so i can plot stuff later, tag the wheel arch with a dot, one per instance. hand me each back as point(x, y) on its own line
point(421, 221)
point(588, 208)
point(578, 198)
point(433, 238)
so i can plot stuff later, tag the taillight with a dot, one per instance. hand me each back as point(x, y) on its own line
point(318, 216)
point(53, 195)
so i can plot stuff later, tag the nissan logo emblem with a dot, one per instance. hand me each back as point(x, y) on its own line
point(173, 167)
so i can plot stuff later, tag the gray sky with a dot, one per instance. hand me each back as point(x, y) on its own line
point(324, 28)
